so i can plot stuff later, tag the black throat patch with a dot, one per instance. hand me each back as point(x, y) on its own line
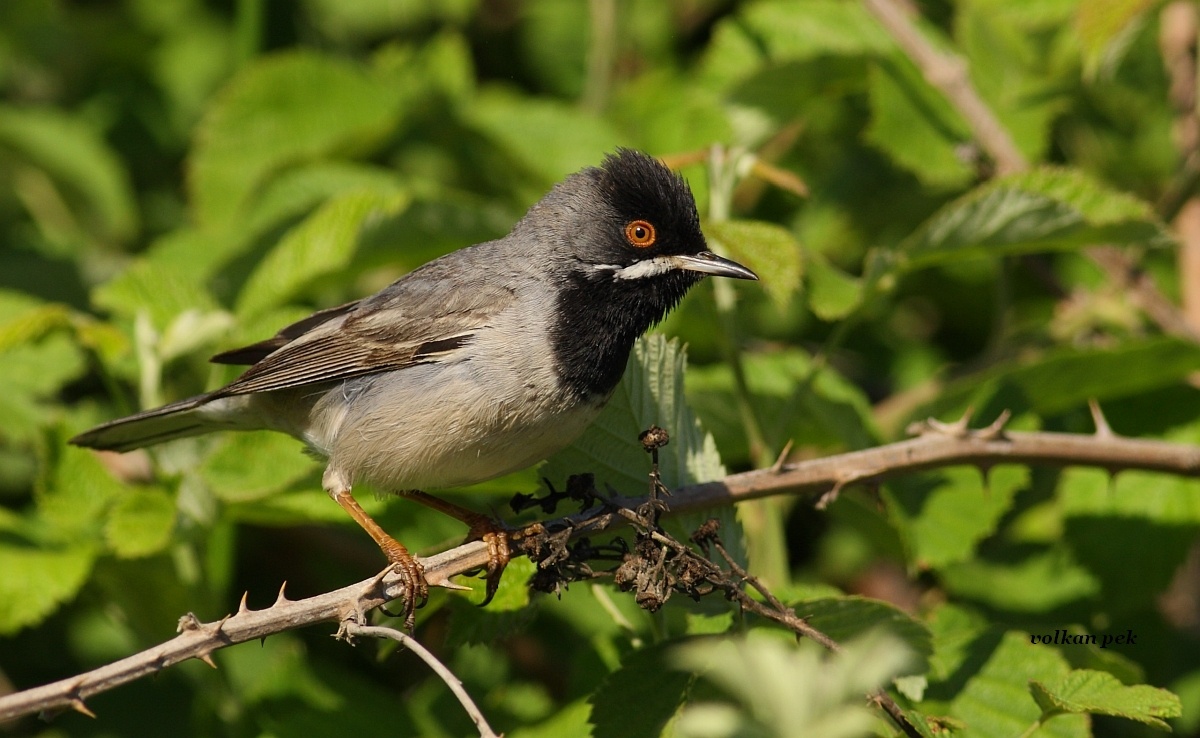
point(598, 319)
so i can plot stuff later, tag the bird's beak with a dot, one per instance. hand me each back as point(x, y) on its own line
point(706, 262)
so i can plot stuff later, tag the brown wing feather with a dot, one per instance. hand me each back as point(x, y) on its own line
point(387, 332)
point(256, 352)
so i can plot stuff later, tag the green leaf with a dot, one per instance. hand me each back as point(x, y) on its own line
point(1066, 378)
point(251, 466)
point(1105, 29)
point(549, 138)
point(282, 110)
point(376, 18)
point(664, 112)
point(916, 126)
point(946, 515)
point(1033, 211)
point(792, 399)
point(293, 193)
point(31, 373)
point(651, 393)
point(1039, 582)
point(323, 243)
point(1099, 693)
point(38, 579)
point(771, 251)
point(72, 153)
point(162, 290)
point(645, 681)
point(785, 689)
point(1008, 69)
point(571, 720)
point(847, 618)
point(1107, 522)
point(832, 293)
point(140, 523)
point(995, 702)
point(815, 28)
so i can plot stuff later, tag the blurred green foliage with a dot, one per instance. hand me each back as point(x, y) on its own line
point(178, 177)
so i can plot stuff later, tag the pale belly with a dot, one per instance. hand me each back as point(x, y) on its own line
point(437, 427)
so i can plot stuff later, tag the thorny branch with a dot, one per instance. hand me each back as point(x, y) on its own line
point(936, 445)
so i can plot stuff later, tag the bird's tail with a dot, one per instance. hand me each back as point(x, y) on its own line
point(167, 423)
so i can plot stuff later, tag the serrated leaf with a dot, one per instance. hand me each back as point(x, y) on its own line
point(847, 618)
point(995, 702)
point(140, 523)
point(644, 680)
point(651, 393)
point(915, 125)
point(571, 720)
point(832, 294)
point(80, 160)
point(38, 579)
point(323, 243)
point(279, 111)
point(1099, 693)
point(771, 251)
point(1033, 211)
point(1007, 70)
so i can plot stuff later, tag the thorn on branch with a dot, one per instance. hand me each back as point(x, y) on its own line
point(1103, 429)
point(215, 629)
point(777, 467)
point(242, 607)
point(995, 431)
point(282, 596)
point(78, 705)
point(207, 658)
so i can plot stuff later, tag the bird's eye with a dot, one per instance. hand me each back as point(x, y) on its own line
point(640, 234)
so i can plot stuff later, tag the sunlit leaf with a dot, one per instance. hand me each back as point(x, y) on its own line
point(1034, 211)
point(1099, 693)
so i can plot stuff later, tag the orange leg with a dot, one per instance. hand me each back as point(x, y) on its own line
point(479, 527)
point(416, 588)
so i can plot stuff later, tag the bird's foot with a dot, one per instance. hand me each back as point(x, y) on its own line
point(498, 539)
point(413, 585)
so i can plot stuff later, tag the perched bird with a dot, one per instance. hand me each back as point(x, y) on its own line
point(479, 363)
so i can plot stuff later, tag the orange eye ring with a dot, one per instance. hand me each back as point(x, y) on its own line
point(640, 234)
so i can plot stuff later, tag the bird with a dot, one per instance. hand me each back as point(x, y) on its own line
point(479, 363)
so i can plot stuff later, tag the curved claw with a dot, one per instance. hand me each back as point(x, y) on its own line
point(499, 554)
point(414, 586)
